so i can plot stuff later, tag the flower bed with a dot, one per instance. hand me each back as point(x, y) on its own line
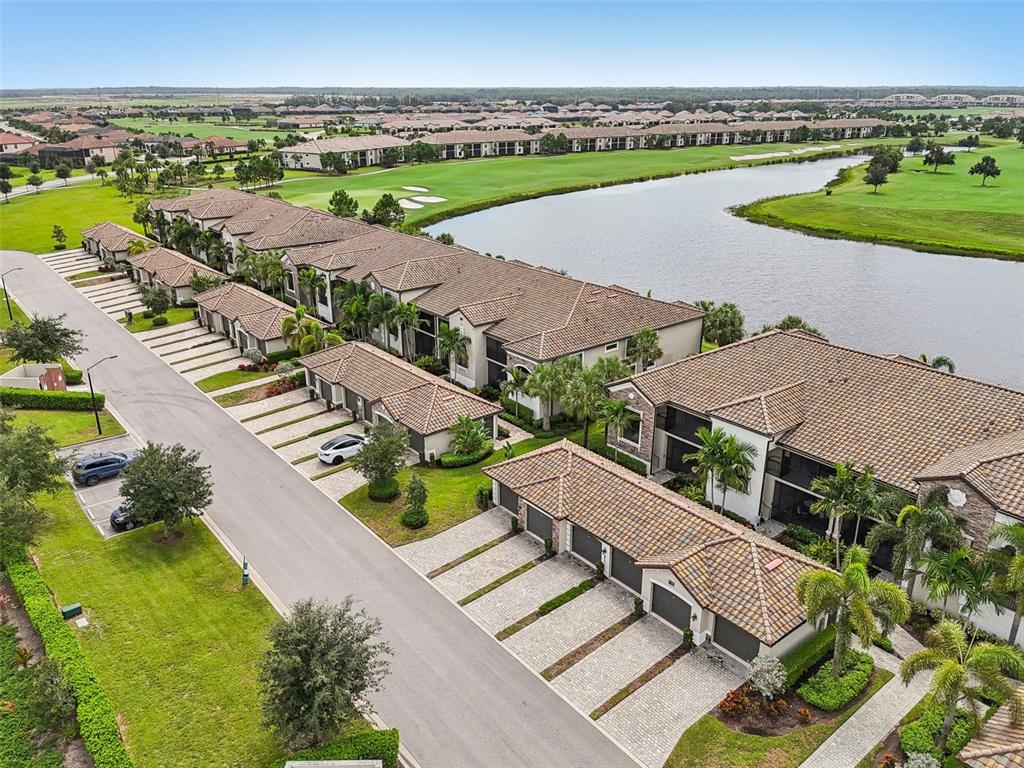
point(831, 693)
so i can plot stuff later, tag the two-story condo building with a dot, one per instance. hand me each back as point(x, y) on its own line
point(167, 268)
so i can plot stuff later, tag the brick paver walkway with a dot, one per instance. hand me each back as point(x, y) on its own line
point(514, 599)
point(488, 566)
point(515, 434)
point(325, 419)
point(189, 353)
point(246, 410)
point(288, 414)
point(650, 722)
point(172, 330)
point(549, 638)
point(448, 545)
point(592, 681)
point(340, 484)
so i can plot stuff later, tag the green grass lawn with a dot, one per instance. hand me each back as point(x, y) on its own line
point(20, 174)
point(26, 222)
point(173, 638)
point(174, 316)
point(70, 427)
point(18, 316)
point(710, 744)
point(946, 211)
point(200, 130)
point(451, 493)
point(480, 183)
point(85, 275)
point(229, 378)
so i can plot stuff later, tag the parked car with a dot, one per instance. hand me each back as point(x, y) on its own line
point(90, 469)
point(122, 518)
point(339, 448)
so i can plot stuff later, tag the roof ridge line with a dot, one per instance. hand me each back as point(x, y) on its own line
point(761, 592)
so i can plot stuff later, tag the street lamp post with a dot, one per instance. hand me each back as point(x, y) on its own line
point(92, 393)
point(3, 285)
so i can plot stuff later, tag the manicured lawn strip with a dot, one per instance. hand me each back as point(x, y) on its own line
point(20, 174)
point(578, 654)
point(645, 677)
point(98, 281)
point(710, 744)
point(16, 310)
point(498, 582)
point(200, 345)
point(948, 211)
point(70, 427)
point(6, 363)
point(207, 363)
point(243, 396)
point(298, 420)
point(173, 639)
point(85, 275)
point(555, 602)
point(271, 412)
point(332, 471)
point(230, 378)
point(18, 725)
point(469, 555)
point(174, 316)
point(314, 433)
point(303, 459)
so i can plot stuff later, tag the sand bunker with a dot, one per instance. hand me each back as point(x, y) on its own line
point(429, 199)
point(416, 189)
point(762, 156)
point(409, 204)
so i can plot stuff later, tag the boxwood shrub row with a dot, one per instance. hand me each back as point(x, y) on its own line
point(450, 460)
point(800, 660)
point(49, 400)
point(368, 745)
point(825, 691)
point(96, 719)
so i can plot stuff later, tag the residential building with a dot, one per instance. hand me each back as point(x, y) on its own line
point(693, 568)
point(358, 151)
point(248, 318)
point(111, 241)
point(167, 268)
point(377, 386)
point(483, 143)
point(81, 149)
point(13, 143)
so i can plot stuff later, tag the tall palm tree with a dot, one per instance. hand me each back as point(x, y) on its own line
point(939, 361)
point(546, 382)
point(709, 458)
point(313, 337)
point(962, 574)
point(584, 398)
point(911, 532)
point(962, 670)
point(737, 465)
point(452, 346)
point(350, 298)
point(617, 416)
point(861, 606)
point(643, 349)
point(1012, 536)
point(382, 314)
point(407, 318)
point(844, 495)
point(291, 325)
point(183, 236)
point(312, 281)
point(515, 383)
point(609, 369)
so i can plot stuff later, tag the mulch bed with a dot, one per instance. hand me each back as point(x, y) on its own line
point(890, 752)
point(97, 280)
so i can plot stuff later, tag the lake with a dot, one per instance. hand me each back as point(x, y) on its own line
point(677, 238)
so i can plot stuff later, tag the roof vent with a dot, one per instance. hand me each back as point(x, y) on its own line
point(773, 564)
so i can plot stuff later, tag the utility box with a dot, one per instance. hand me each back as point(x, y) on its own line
point(128, 316)
point(70, 611)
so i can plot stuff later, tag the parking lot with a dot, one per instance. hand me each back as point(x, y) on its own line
point(99, 500)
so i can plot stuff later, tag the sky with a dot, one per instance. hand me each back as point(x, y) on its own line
point(255, 43)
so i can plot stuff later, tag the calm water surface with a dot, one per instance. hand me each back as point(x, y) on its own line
point(676, 238)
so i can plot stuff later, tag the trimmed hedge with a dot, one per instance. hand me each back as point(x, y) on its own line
point(920, 735)
point(570, 594)
point(188, 304)
point(97, 720)
point(518, 410)
point(49, 400)
point(798, 661)
point(450, 460)
point(71, 375)
point(625, 460)
point(284, 354)
point(159, 321)
point(802, 534)
point(830, 693)
point(368, 745)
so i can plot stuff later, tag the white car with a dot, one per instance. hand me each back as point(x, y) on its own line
point(340, 448)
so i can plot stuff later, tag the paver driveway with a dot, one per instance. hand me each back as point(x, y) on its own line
point(449, 545)
point(488, 566)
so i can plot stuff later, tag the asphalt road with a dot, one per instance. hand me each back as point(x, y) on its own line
point(457, 697)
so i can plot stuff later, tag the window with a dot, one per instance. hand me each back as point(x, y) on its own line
point(631, 433)
point(289, 281)
point(611, 347)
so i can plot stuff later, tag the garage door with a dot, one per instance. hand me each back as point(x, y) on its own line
point(538, 523)
point(737, 641)
point(416, 441)
point(508, 498)
point(624, 569)
point(350, 402)
point(585, 544)
point(670, 607)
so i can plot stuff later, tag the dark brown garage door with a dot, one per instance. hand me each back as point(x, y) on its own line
point(538, 523)
point(351, 402)
point(625, 569)
point(670, 607)
point(585, 544)
point(737, 641)
point(508, 498)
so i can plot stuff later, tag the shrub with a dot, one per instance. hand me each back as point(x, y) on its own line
point(625, 460)
point(384, 490)
point(431, 364)
point(488, 392)
point(368, 745)
point(825, 691)
point(484, 498)
point(883, 641)
point(450, 460)
point(49, 400)
point(687, 633)
point(518, 410)
point(96, 719)
point(804, 657)
point(823, 551)
point(801, 534)
point(188, 304)
point(639, 612)
point(919, 760)
point(768, 676)
point(159, 321)
point(147, 314)
point(920, 735)
point(71, 375)
point(280, 357)
point(415, 514)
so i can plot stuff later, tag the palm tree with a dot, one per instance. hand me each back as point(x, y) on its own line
point(617, 416)
point(407, 318)
point(584, 398)
point(609, 369)
point(217, 253)
point(515, 385)
point(844, 495)
point(939, 362)
point(452, 345)
point(911, 532)
point(312, 281)
point(962, 671)
point(737, 465)
point(139, 246)
point(709, 457)
point(963, 574)
point(382, 314)
point(861, 606)
point(546, 382)
point(183, 236)
point(350, 297)
point(643, 349)
point(1012, 536)
point(313, 337)
point(291, 325)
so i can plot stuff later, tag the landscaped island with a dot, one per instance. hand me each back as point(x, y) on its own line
point(948, 211)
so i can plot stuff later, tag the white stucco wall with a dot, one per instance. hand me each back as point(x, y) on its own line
point(747, 505)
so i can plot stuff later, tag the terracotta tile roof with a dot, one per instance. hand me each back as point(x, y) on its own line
point(216, 203)
point(995, 467)
point(769, 413)
point(730, 569)
point(170, 267)
point(424, 403)
point(346, 144)
point(998, 744)
point(897, 416)
point(477, 137)
point(292, 225)
point(264, 324)
point(113, 236)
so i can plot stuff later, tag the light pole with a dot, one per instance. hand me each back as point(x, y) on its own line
point(95, 410)
point(3, 285)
